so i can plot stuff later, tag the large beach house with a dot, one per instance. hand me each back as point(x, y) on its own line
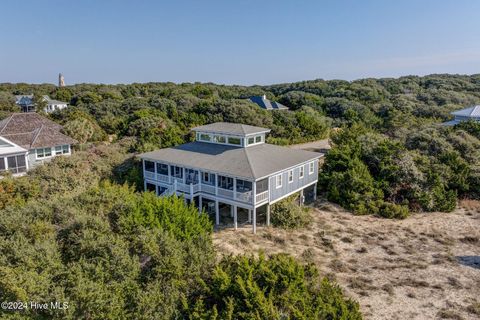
point(230, 171)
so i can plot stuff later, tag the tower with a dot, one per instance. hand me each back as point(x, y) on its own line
point(61, 80)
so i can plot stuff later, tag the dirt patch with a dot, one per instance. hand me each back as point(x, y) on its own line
point(423, 267)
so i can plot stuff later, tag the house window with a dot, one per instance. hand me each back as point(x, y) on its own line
point(66, 149)
point(234, 140)
point(311, 167)
point(243, 186)
point(206, 177)
point(205, 137)
point(278, 181)
point(44, 153)
point(58, 150)
point(2, 164)
point(225, 182)
point(149, 166)
point(219, 139)
point(290, 176)
point(262, 186)
point(251, 140)
point(16, 164)
point(162, 169)
point(258, 139)
point(301, 172)
point(177, 172)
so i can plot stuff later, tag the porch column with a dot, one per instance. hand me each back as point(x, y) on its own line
point(217, 213)
point(234, 188)
point(301, 198)
point(169, 174)
point(191, 191)
point(184, 175)
point(216, 183)
point(268, 214)
point(315, 191)
point(235, 216)
point(200, 204)
point(254, 220)
point(254, 200)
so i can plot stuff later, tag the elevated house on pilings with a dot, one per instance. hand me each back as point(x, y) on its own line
point(231, 173)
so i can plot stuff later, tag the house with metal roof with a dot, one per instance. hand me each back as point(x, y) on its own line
point(37, 138)
point(27, 103)
point(467, 114)
point(230, 172)
point(266, 104)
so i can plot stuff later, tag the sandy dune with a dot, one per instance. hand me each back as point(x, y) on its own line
point(424, 267)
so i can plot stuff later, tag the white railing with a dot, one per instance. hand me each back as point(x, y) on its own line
point(195, 188)
point(261, 197)
point(163, 178)
point(225, 193)
point(183, 187)
point(208, 188)
point(170, 191)
point(149, 175)
point(244, 196)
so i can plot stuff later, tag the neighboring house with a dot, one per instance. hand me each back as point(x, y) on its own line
point(13, 158)
point(27, 104)
point(472, 113)
point(39, 138)
point(230, 167)
point(264, 103)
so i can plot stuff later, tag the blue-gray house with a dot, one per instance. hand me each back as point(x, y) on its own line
point(230, 169)
point(267, 104)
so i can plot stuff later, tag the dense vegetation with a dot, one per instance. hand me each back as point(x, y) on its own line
point(390, 157)
point(288, 213)
point(77, 230)
point(274, 288)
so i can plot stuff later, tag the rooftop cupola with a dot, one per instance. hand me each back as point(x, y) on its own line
point(234, 134)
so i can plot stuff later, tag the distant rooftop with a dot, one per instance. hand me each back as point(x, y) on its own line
point(231, 128)
point(264, 103)
point(473, 112)
point(31, 130)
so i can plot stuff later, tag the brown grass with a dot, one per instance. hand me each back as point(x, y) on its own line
point(408, 269)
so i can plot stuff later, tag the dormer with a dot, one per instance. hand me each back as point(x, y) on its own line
point(232, 134)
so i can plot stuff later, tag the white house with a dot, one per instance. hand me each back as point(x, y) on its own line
point(35, 138)
point(26, 103)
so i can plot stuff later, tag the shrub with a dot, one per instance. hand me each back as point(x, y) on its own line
point(245, 287)
point(391, 210)
point(288, 214)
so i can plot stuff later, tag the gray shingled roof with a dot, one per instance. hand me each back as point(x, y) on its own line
point(31, 130)
point(473, 112)
point(231, 128)
point(252, 162)
point(264, 103)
